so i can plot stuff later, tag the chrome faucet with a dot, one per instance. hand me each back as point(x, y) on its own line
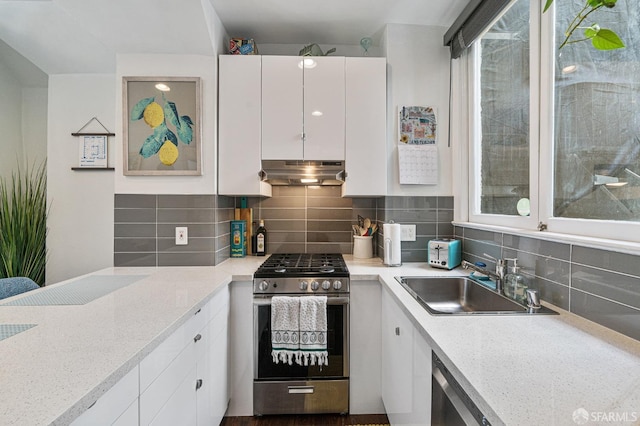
point(497, 276)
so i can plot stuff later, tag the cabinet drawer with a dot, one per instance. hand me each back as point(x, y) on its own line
point(219, 304)
point(129, 417)
point(180, 408)
point(158, 360)
point(110, 406)
point(209, 336)
point(165, 385)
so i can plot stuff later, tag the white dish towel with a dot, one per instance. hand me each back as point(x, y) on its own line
point(285, 329)
point(313, 330)
point(299, 330)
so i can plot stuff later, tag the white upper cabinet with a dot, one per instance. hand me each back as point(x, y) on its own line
point(324, 104)
point(239, 132)
point(366, 127)
point(303, 108)
point(282, 113)
point(275, 108)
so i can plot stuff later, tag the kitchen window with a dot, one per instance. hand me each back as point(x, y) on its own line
point(555, 134)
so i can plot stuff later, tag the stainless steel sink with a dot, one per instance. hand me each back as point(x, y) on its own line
point(462, 296)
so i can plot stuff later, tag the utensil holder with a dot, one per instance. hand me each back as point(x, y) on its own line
point(363, 246)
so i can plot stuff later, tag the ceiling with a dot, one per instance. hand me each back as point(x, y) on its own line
point(84, 36)
point(328, 21)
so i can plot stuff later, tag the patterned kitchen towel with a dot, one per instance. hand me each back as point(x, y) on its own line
point(313, 330)
point(285, 326)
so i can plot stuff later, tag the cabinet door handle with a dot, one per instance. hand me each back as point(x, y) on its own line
point(198, 337)
point(397, 331)
point(197, 312)
point(198, 384)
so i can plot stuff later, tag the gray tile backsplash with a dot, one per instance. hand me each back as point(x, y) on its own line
point(600, 285)
point(610, 314)
point(298, 219)
point(431, 215)
point(144, 229)
point(309, 219)
point(621, 288)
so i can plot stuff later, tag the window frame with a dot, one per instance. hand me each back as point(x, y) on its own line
point(474, 214)
point(541, 147)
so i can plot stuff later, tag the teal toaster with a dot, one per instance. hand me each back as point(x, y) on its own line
point(444, 253)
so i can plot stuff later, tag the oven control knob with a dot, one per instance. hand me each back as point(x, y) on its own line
point(337, 285)
point(315, 285)
point(326, 285)
point(263, 286)
point(303, 285)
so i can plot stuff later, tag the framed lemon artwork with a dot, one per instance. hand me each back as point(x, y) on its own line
point(161, 118)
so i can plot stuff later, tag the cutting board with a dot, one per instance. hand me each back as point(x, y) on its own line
point(246, 214)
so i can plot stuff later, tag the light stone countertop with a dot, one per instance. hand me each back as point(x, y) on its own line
point(527, 370)
point(519, 370)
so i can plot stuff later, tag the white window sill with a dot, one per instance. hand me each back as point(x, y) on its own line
point(590, 242)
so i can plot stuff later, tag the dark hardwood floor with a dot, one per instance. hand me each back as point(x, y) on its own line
point(307, 420)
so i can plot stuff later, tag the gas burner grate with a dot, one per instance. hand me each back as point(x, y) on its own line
point(303, 264)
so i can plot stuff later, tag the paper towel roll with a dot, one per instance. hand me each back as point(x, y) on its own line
point(392, 246)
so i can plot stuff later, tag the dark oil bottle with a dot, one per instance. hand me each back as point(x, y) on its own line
point(261, 239)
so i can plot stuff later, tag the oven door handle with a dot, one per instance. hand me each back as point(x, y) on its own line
point(330, 301)
point(301, 389)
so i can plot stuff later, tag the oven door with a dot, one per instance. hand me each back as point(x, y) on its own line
point(337, 344)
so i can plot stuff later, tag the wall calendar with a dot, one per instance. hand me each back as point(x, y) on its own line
point(417, 149)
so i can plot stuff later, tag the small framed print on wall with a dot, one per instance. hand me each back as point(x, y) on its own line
point(161, 123)
point(93, 151)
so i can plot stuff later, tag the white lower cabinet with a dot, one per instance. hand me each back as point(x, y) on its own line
point(129, 417)
point(190, 389)
point(406, 367)
point(212, 396)
point(241, 349)
point(364, 348)
point(180, 408)
point(118, 406)
point(181, 382)
point(160, 397)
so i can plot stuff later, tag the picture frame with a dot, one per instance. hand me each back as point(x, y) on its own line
point(93, 151)
point(161, 126)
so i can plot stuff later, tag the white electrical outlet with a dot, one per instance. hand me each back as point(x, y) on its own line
point(407, 232)
point(182, 235)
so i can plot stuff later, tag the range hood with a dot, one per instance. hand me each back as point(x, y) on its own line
point(302, 172)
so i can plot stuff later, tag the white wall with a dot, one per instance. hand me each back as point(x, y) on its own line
point(160, 65)
point(10, 121)
point(217, 32)
point(417, 75)
point(34, 124)
point(80, 222)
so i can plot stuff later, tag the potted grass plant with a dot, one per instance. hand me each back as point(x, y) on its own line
point(23, 224)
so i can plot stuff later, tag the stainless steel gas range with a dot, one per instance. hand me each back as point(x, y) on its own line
point(280, 388)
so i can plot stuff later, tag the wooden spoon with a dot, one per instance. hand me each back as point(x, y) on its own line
point(367, 223)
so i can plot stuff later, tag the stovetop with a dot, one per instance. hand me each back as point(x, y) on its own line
point(303, 265)
point(302, 273)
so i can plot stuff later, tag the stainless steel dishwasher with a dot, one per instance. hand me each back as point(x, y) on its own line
point(450, 405)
